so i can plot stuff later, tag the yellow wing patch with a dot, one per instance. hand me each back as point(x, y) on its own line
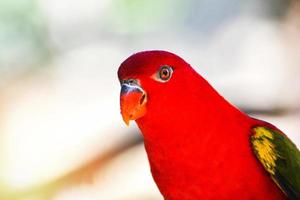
point(264, 148)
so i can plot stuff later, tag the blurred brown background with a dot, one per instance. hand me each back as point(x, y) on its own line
point(62, 137)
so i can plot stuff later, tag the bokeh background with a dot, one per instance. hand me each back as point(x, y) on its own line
point(61, 134)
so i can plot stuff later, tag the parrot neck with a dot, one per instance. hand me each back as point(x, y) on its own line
point(193, 112)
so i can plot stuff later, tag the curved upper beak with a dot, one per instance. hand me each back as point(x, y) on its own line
point(132, 101)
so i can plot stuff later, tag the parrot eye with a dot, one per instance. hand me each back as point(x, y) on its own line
point(164, 74)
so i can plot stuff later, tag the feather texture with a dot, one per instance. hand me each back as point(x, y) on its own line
point(280, 157)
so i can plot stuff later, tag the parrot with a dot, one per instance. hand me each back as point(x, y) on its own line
point(200, 146)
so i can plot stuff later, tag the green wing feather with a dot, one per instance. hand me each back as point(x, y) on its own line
point(280, 157)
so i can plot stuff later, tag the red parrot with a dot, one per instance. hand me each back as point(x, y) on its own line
point(200, 146)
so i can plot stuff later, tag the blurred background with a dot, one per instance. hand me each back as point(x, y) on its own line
point(62, 137)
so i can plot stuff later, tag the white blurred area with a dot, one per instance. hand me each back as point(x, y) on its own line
point(59, 89)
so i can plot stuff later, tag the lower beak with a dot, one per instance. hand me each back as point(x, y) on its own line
point(132, 101)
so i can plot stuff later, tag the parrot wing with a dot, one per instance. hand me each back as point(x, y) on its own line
point(280, 158)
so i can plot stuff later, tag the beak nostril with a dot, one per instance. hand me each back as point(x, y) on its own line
point(142, 99)
point(131, 81)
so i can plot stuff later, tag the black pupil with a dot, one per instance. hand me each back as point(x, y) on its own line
point(165, 73)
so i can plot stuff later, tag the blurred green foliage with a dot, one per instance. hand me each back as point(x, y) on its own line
point(140, 16)
point(23, 37)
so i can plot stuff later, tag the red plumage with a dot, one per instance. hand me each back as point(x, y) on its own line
point(197, 143)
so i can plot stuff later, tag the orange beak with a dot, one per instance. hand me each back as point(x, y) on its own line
point(133, 101)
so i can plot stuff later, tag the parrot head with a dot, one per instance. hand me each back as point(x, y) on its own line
point(150, 81)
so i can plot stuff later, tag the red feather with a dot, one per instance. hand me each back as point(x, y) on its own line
point(197, 143)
